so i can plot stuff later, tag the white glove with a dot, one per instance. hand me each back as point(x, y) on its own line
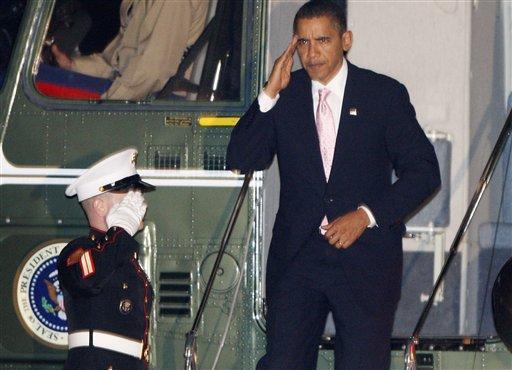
point(129, 213)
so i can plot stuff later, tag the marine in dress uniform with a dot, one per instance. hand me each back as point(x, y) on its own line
point(107, 295)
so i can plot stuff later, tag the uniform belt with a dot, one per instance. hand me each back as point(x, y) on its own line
point(110, 341)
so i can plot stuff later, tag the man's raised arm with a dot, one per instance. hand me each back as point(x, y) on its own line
point(252, 144)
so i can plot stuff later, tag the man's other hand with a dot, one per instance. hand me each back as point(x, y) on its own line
point(280, 75)
point(61, 58)
point(346, 229)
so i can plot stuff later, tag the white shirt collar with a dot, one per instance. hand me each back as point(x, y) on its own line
point(336, 85)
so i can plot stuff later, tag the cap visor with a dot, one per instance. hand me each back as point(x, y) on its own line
point(129, 182)
point(144, 186)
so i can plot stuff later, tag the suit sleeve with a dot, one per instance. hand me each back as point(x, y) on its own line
point(87, 270)
point(414, 162)
point(253, 140)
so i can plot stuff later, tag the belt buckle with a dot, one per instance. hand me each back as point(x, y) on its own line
point(145, 353)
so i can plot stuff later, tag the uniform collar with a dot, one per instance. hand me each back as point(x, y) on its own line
point(96, 234)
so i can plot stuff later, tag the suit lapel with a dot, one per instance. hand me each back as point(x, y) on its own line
point(349, 99)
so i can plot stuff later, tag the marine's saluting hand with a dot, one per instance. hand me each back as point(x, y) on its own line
point(280, 75)
point(129, 213)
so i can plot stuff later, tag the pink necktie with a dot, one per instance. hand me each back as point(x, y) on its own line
point(326, 136)
point(326, 131)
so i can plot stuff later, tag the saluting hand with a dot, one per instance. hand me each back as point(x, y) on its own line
point(129, 213)
point(280, 75)
point(346, 229)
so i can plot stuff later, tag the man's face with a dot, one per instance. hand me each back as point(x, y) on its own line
point(321, 46)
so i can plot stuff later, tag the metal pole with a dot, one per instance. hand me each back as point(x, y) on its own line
point(410, 351)
point(190, 352)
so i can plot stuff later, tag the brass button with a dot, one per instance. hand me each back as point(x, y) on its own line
point(106, 237)
point(125, 286)
point(98, 246)
point(125, 306)
point(145, 300)
point(93, 237)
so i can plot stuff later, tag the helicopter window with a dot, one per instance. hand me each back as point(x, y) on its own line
point(11, 13)
point(173, 51)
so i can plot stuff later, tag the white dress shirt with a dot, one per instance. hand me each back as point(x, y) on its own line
point(335, 100)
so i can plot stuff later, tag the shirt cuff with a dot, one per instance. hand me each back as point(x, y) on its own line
point(266, 102)
point(369, 213)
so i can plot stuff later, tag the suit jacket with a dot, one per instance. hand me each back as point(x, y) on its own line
point(381, 135)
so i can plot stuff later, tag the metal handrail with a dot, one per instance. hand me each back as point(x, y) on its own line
point(190, 352)
point(410, 350)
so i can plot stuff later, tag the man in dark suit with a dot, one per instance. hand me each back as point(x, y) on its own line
point(338, 131)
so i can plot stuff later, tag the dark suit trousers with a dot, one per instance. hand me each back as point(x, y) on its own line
point(297, 308)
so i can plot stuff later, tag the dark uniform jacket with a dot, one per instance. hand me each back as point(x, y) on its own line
point(378, 132)
point(105, 289)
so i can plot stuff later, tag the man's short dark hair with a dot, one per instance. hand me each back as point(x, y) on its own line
point(322, 8)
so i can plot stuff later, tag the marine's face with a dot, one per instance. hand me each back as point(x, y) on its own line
point(321, 46)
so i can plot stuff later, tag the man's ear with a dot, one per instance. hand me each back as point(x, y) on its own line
point(100, 207)
point(346, 40)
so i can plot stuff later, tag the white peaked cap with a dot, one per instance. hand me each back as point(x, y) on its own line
point(116, 171)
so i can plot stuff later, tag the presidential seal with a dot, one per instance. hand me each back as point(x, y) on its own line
point(38, 298)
